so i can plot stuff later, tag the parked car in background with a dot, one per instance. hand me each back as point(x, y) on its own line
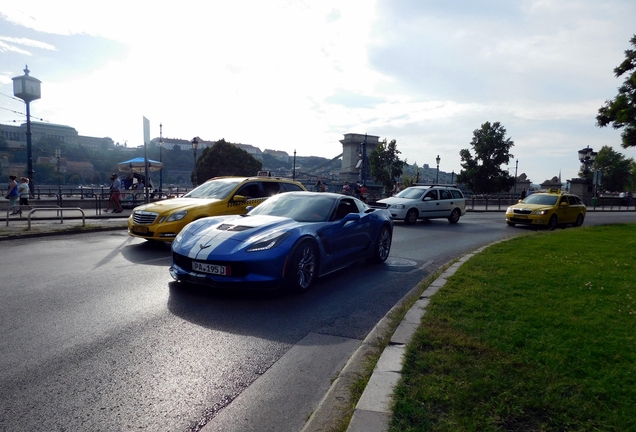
point(163, 220)
point(289, 240)
point(547, 209)
point(426, 202)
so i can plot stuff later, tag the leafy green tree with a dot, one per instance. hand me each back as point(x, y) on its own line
point(483, 173)
point(614, 167)
point(224, 159)
point(385, 163)
point(621, 111)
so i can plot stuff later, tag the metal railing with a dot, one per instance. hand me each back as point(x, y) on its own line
point(57, 209)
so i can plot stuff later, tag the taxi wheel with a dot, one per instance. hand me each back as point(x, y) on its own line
point(411, 217)
point(579, 220)
point(511, 223)
point(553, 222)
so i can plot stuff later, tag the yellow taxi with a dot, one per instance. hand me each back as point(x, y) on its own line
point(162, 220)
point(547, 209)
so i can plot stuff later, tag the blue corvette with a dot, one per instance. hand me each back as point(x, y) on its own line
point(289, 240)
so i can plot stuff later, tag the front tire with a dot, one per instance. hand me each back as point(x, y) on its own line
point(454, 216)
point(511, 224)
point(411, 217)
point(382, 246)
point(553, 222)
point(303, 266)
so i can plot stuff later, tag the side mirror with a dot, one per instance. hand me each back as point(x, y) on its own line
point(349, 217)
point(249, 208)
point(238, 198)
point(427, 198)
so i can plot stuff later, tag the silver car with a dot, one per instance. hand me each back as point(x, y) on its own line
point(426, 202)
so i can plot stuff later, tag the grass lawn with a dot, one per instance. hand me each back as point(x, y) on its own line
point(534, 334)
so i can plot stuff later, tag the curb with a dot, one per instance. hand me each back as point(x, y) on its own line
point(373, 411)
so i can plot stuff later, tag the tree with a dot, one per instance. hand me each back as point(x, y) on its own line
point(224, 159)
point(385, 164)
point(483, 173)
point(621, 111)
point(614, 167)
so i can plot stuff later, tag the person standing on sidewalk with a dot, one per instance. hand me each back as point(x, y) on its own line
point(12, 193)
point(115, 191)
point(23, 192)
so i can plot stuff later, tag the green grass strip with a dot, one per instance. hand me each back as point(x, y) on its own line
point(534, 334)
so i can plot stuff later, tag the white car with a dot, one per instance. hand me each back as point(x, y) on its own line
point(426, 202)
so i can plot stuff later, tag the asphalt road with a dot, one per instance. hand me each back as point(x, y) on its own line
point(97, 337)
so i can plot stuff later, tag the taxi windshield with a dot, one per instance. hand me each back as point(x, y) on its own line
point(219, 189)
point(541, 199)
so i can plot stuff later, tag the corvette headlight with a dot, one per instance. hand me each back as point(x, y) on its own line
point(268, 242)
point(540, 212)
point(397, 206)
point(177, 216)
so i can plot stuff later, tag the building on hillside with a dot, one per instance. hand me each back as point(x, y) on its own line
point(278, 154)
point(16, 135)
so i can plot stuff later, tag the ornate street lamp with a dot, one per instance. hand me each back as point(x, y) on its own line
point(195, 145)
point(586, 157)
point(437, 159)
point(28, 89)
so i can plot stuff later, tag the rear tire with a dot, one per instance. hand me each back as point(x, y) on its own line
point(303, 266)
point(454, 216)
point(382, 246)
point(579, 220)
point(411, 217)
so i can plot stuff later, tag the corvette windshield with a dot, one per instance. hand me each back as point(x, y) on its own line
point(301, 208)
point(411, 193)
point(218, 189)
point(541, 199)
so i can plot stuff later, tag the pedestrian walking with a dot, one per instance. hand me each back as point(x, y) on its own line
point(23, 193)
point(115, 192)
point(12, 193)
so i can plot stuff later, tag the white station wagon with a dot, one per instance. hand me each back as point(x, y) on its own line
point(426, 202)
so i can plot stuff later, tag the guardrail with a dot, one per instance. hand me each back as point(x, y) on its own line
point(59, 210)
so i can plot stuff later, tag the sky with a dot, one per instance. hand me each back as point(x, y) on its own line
point(297, 75)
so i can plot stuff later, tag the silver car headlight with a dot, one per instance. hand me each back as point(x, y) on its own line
point(268, 242)
point(397, 206)
point(177, 216)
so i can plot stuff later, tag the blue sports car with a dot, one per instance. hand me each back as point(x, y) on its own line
point(289, 240)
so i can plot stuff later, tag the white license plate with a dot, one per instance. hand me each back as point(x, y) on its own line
point(211, 268)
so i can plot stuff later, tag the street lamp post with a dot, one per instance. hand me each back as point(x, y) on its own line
point(58, 154)
point(161, 159)
point(195, 145)
point(28, 89)
point(437, 159)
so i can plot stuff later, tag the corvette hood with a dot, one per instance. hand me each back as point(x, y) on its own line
point(226, 235)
